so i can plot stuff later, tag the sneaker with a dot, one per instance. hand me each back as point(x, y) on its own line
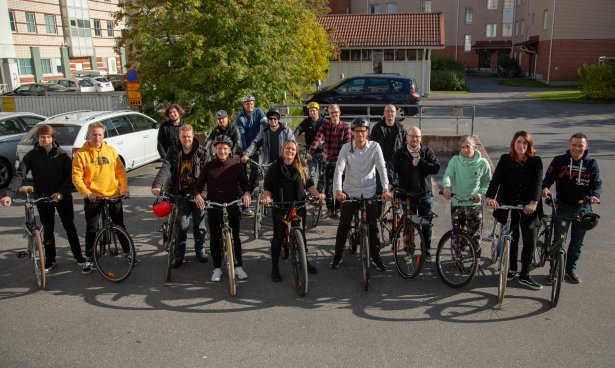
point(335, 215)
point(247, 212)
point(528, 281)
point(240, 273)
point(428, 258)
point(217, 275)
point(80, 262)
point(311, 269)
point(202, 257)
point(49, 266)
point(378, 263)
point(549, 280)
point(511, 275)
point(572, 277)
point(177, 263)
point(129, 259)
point(87, 267)
point(275, 273)
point(335, 264)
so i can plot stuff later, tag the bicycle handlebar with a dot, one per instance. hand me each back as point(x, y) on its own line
point(40, 199)
point(296, 204)
point(211, 204)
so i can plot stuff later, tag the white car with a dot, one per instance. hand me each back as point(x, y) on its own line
point(77, 84)
point(102, 84)
point(132, 134)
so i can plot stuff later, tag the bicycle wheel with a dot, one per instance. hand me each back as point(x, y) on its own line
point(456, 260)
point(558, 277)
point(364, 249)
point(230, 262)
point(316, 212)
point(542, 243)
point(170, 246)
point(408, 250)
point(38, 258)
point(504, 263)
point(298, 260)
point(353, 235)
point(386, 224)
point(258, 214)
point(109, 256)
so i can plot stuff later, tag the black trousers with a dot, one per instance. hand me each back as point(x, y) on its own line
point(520, 225)
point(214, 219)
point(279, 231)
point(67, 216)
point(92, 214)
point(347, 210)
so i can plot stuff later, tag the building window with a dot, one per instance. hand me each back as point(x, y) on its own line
point(24, 66)
point(545, 19)
point(492, 4)
point(522, 26)
point(31, 22)
point(46, 66)
point(367, 55)
point(507, 29)
point(392, 8)
point(400, 54)
point(425, 6)
point(12, 20)
point(59, 68)
point(97, 28)
point(516, 28)
point(467, 43)
point(109, 28)
point(491, 30)
point(469, 14)
point(389, 55)
point(374, 8)
point(50, 24)
point(355, 55)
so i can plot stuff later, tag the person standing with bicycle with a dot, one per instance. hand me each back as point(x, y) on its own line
point(168, 133)
point(51, 172)
point(467, 176)
point(182, 166)
point(287, 180)
point(410, 169)
point(577, 178)
point(310, 126)
point(222, 175)
point(98, 171)
point(517, 180)
point(355, 176)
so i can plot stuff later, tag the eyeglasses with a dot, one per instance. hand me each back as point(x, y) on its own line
point(389, 110)
point(360, 131)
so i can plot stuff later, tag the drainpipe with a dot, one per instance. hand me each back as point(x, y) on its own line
point(457, 31)
point(551, 43)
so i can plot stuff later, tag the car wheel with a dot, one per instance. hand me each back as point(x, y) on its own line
point(6, 173)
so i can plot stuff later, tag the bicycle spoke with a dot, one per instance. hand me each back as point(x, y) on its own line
point(111, 247)
point(456, 261)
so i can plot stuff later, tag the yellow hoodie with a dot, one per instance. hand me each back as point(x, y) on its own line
point(99, 171)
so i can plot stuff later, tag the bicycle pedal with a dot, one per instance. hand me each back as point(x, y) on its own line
point(21, 254)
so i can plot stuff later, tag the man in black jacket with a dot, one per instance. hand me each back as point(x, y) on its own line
point(51, 171)
point(183, 165)
point(310, 126)
point(411, 168)
point(168, 133)
point(390, 135)
point(224, 128)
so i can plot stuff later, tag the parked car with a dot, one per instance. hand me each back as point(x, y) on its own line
point(118, 80)
point(13, 126)
point(369, 90)
point(102, 84)
point(36, 89)
point(77, 84)
point(132, 134)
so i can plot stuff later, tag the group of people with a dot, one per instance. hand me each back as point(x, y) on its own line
point(357, 163)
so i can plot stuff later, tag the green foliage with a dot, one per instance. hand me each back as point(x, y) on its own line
point(447, 80)
point(440, 63)
point(598, 81)
point(207, 55)
point(507, 63)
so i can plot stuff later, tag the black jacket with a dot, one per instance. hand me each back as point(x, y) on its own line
point(414, 179)
point(573, 179)
point(51, 172)
point(171, 165)
point(168, 136)
point(232, 131)
point(275, 181)
point(310, 132)
point(378, 135)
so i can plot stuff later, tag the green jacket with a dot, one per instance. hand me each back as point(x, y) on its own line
point(467, 176)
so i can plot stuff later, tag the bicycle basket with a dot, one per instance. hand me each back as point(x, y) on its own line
point(586, 221)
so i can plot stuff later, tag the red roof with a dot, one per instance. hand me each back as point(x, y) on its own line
point(385, 30)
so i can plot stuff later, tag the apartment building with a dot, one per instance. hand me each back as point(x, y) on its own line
point(47, 39)
point(550, 38)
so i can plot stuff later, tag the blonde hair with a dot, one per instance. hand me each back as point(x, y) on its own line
point(186, 128)
point(96, 125)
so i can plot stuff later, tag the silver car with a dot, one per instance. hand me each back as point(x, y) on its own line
point(77, 84)
point(13, 126)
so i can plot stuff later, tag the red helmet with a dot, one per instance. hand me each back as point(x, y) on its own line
point(162, 208)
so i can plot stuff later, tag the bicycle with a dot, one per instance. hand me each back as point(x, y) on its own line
point(545, 235)
point(170, 230)
point(358, 236)
point(259, 190)
point(500, 249)
point(227, 247)
point(456, 257)
point(114, 249)
point(33, 235)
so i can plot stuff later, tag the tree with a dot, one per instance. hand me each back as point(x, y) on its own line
point(206, 55)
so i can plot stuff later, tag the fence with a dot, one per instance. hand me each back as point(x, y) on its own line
point(59, 103)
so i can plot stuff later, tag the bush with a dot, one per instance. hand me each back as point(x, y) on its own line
point(440, 63)
point(597, 81)
point(447, 80)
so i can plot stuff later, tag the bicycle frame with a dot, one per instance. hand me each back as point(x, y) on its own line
point(361, 235)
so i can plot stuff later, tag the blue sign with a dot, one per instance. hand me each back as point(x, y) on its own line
point(132, 76)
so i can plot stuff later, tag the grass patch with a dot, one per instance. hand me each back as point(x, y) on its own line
point(563, 96)
point(529, 83)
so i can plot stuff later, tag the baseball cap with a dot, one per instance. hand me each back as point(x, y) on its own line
point(221, 114)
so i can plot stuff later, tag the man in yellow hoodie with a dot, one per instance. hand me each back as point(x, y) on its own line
point(98, 172)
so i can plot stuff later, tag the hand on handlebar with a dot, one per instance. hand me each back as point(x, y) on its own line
point(244, 159)
point(492, 203)
point(341, 196)
point(156, 192)
point(266, 200)
point(546, 193)
point(6, 201)
point(446, 192)
point(200, 202)
point(246, 199)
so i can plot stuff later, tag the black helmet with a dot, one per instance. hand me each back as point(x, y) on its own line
point(223, 139)
point(360, 122)
point(586, 221)
point(273, 112)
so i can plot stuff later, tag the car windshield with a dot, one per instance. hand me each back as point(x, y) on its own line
point(102, 79)
point(86, 82)
point(65, 135)
point(9, 127)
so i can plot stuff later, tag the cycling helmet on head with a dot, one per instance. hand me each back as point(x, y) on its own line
point(162, 208)
point(273, 112)
point(360, 122)
point(223, 139)
point(586, 221)
point(248, 98)
point(314, 105)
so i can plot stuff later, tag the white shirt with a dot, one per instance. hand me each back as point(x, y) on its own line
point(360, 170)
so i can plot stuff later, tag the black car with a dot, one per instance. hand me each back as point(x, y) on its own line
point(373, 89)
point(37, 89)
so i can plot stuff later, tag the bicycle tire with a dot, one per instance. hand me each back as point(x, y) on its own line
point(543, 242)
point(171, 246)
point(230, 262)
point(456, 260)
point(408, 254)
point(504, 265)
point(353, 235)
point(109, 255)
point(386, 224)
point(316, 212)
point(38, 258)
point(298, 259)
point(365, 259)
point(558, 277)
point(258, 214)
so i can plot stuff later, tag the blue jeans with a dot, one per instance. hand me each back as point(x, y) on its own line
point(188, 210)
point(317, 159)
point(329, 172)
point(576, 235)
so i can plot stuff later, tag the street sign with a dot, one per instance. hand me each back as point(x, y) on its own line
point(8, 104)
point(132, 76)
point(133, 86)
point(132, 95)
